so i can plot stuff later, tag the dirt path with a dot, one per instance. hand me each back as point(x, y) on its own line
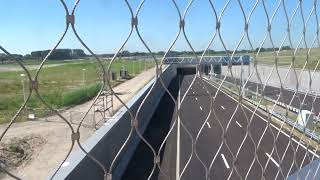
point(56, 133)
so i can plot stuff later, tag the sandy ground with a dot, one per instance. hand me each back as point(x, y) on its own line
point(57, 135)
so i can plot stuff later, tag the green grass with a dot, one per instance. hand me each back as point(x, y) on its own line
point(285, 58)
point(60, 86)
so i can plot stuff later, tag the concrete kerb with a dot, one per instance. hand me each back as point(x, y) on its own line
point(106, 141)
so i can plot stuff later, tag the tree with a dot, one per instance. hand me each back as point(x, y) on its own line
point(78, 53)
point(125, 53)
point(58, 54)
point(2, 58)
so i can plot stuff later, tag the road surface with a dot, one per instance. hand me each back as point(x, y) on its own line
point(217, 140)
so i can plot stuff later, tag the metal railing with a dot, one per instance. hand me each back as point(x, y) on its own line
point(292, 122)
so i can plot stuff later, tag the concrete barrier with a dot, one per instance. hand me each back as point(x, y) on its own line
point(106, 141)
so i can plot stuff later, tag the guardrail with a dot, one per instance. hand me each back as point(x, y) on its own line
point(311, 133)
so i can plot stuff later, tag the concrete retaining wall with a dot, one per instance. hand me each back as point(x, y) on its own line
point(106, 142)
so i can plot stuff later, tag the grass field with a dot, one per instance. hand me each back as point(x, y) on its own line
point(60, 86)
point(285, 58)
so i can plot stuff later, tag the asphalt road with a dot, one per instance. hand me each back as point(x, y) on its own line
point(287, 97)
point(224, 138)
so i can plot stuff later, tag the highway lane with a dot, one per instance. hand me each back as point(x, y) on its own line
point(288, 95)
point(193, 113)
point(194, 110)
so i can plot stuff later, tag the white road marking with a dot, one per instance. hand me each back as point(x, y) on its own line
point(196, 99)
point(225, 161)
point(316, 155)
point(274, 161)
point(238, 124)
point(208, 125)
point(200, 108)
point(223, 108)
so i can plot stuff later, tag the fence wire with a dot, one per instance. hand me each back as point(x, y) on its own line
point(240, 90)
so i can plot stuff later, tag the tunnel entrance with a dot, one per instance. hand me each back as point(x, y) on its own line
point(186, 70)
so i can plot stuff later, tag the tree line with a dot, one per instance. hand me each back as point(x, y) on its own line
point(62, 54)
point(127, 53)
point(57, 54)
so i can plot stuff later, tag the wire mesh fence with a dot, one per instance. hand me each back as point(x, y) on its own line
point(206, 113)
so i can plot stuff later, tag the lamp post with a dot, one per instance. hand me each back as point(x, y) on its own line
point(83, 79)
point(23, 89)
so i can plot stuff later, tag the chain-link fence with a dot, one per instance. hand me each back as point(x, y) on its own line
point(221, 128)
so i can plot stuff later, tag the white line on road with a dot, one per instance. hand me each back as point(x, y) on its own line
point(208, 125)
point(196, 99)
point(223, 108)
point(274, 161)
point(225, 161)
point(200, 108)
point(284, 133)
point(238, 124)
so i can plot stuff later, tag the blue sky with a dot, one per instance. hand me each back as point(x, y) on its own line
point(28, 25)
